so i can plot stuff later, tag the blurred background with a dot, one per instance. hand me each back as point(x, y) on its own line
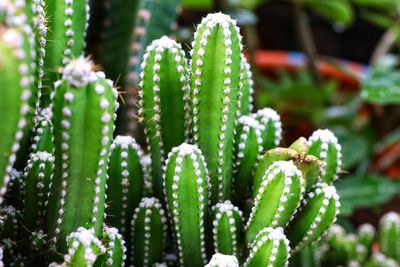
point(319, 63)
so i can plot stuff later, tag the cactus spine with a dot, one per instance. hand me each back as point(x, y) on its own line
point(84, 113)
point(221, 260)
point(16, 50)
point(125, 183)
point(115, 254)
point(164, 102)
point(270, 248)
point(246, 88)
point(186, 189)
point(43, 132)
point(277, 199)
point(215, 73)
point(149, 233)
point(227, 227)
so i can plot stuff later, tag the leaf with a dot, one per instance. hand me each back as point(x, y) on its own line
point(365, 191)
point(247, 4)
point(381, 20)
point(380, 4)
point(339, 11)
point(388, 140)
point(382, 86)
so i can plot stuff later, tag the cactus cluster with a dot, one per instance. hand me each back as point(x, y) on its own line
point(367, 246)
point(214, 188)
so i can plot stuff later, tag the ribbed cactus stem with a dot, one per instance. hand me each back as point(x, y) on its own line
point(164, 102)
point(16, 49)
point(215, 75)
point(84, 113)
point(247, 149)
point(227, 228)
point(381, 260)
point(43, 139)
point(83, 248)
point(125, 183)
point(15, 190)
point(246, 87)
point(270, 127)
point(270, 248)
point(277, 199)
point(221, 260)
point(325, 146)
point(149, 226)
point(38, 177)
point(317, 214)
point(10, 220)
point(114, 244)
point(186, 184)
point(366, 235)
point(148, 184)
point(389, 235)
point(67, 23)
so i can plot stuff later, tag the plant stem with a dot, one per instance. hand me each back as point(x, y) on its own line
point(305, 39)
point(384, 45)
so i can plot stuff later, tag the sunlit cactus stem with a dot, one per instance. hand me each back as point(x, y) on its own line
point(325, 146)
point(277, 199)
point(114, 244)
point(17, 55)
point(221, 260)
point(247, 149)
point(38, 176)
point(246, 88)
point(317, 214)
point(366, 236)
point(186, 188)
point(43, 132)
point(149, 226)
point(389, 235)
point(83, 118)
point(270, 127)
point(65, 38)
point(215, 78)
point(270, 248)
point(227, 228)
point(125, 183)
point(164, 102)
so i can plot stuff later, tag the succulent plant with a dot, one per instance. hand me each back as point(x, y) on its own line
point(389, 235)
point(107, 200)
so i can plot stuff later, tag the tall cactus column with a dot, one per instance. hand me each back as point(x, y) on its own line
point(84, 113)
point(16, 81)
point(186, 189)
point(164, 108)
point(215, 67)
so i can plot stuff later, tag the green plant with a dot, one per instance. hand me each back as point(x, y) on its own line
point(196, 137)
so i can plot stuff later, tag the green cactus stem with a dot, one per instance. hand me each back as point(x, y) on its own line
point(316, 215)
point(83, 248)
point(10, 220)
point(279, 196)
point(43, 132)
point(38, 176)
point(154, 19)
point(389, 235)
point(215, 72)
point(148, 185)
point(15, 190)
point(221, 260)
point(246, 88)
point(186, 184)
point(270, 248)
point(325, 146)
point(366, 236)
point(247, 149)
point(84, 113)
point(125, 185)
point(227, 228)
point(270, 127)
point(380, 260)
point(115, 255)
point(164, 102)
point(16, 55)
point(149, 226)
point(65, 39)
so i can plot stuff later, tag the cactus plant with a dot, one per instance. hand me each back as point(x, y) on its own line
point(389, 235)
point(206, 150)
point(84, 108)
